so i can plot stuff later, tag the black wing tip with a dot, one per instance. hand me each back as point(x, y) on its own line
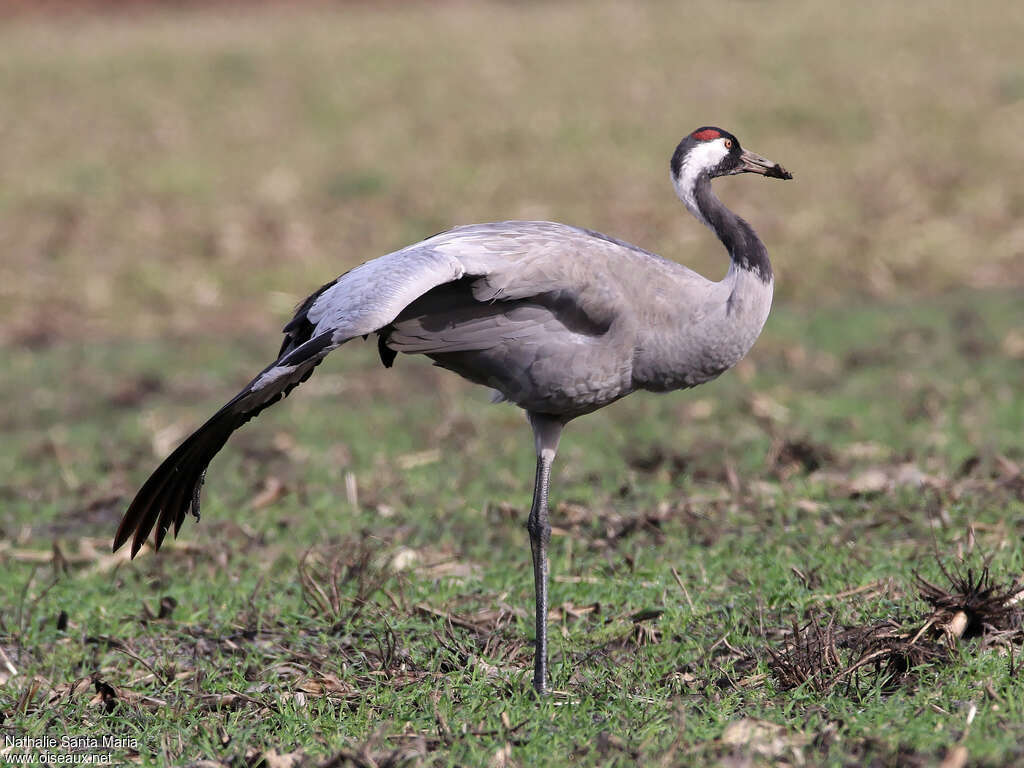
point(174, 488)
point(163, 511)
point(119, 540)
point(136, 546)
point(130, 524)
point(138, 527)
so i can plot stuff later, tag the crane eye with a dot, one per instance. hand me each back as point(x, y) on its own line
point(728, 143)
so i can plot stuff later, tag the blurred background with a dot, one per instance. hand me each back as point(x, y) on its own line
point(196, 169)
point(175, 177)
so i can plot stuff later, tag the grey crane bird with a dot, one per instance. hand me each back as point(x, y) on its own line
point(558, 320)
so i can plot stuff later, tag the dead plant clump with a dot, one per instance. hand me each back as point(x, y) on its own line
point(325, 582)
point(823, 656)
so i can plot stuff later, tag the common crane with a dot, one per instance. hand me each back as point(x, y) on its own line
point(556, 319)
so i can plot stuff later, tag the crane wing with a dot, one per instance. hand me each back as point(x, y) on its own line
point(515, 260)
point(357, 303)
point(552, 277)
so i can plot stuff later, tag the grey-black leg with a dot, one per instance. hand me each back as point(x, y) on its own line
point(540, 536)
point(546, 434)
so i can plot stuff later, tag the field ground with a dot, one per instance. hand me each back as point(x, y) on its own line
point(826, 466)
point(764, 570)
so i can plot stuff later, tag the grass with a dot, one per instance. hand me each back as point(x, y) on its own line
point(359, 589)
point(256, 651)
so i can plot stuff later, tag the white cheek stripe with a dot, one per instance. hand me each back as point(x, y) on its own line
point(703, 157)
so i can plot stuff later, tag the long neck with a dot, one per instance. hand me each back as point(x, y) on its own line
point(713, 325)
point(744, 246)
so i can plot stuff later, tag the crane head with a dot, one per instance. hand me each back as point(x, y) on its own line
point(715, 152)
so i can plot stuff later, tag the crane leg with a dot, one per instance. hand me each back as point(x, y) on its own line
point(546, 431)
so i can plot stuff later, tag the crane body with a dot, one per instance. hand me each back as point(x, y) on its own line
point(555, 319)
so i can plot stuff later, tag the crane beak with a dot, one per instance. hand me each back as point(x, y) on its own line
point(750, 162)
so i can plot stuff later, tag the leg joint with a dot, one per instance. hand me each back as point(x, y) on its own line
point(540, 530)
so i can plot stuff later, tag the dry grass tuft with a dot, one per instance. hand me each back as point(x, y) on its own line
point(860, 659)
point(325, 583)
point(974, 607)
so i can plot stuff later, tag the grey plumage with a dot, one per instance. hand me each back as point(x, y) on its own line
point(558, 320)
point(561, 321)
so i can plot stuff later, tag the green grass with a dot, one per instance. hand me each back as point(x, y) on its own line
point(243, 659)
point(172, 183)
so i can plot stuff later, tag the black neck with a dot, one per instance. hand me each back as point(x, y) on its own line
point(745, 248)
